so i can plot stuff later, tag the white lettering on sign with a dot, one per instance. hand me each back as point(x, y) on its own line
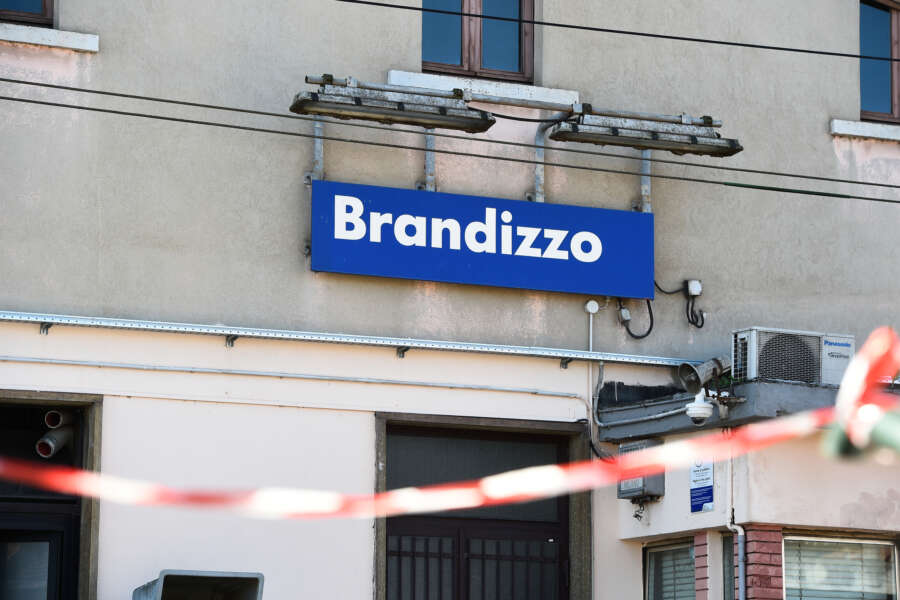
point(479, 236)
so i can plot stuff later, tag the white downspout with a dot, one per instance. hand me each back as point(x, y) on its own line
point(741, 540)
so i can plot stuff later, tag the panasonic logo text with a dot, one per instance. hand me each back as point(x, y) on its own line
point(838, 344)
point(480, 237)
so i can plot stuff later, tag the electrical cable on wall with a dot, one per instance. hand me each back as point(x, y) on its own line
point(694, 317)
point(697, 319)
point(625, 319)
point(449, 152)
point(530, 120)
point(395, 129)
point(659, 36)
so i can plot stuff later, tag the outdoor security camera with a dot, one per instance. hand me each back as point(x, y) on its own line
point(699, 410)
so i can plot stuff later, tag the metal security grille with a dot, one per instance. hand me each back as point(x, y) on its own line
point(515, 569)
point(739, 357)
point(789, 357)
point(421, 567)
point(471, 559)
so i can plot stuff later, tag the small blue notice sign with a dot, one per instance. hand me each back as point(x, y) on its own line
point(432, 236)
point(701, 487)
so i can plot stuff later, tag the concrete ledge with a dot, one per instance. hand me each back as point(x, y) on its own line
point(763, 400)
point(53, 38)
point(481, 86)
point(864, 129)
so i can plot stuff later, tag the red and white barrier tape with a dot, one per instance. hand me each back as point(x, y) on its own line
point(879, 357)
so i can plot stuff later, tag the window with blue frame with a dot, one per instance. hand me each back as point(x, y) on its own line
point(879, 80)
point(27, 12)
point(493, 39)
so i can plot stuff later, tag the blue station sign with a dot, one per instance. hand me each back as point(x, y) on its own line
point(432, 236)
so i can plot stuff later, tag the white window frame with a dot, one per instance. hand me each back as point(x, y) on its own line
point(839, 540)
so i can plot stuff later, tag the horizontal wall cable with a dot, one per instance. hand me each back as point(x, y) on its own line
point(448, 152)
point(285, 375)
point(443, 135)
point(659, 36)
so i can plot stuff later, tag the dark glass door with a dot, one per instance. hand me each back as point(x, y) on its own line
point(516, 552)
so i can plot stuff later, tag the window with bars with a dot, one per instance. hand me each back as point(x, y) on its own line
point(479, 47)
point(670, 573)
point(879, 80)
point(27, 12)
point(514, 552)
point(839, 569)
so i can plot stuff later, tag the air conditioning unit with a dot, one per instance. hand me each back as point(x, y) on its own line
point(759, 353)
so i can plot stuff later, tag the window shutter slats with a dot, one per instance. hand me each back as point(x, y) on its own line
point(826, 570)
point(671, 574)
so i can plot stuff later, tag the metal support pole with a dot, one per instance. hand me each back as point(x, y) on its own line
point(646, 186)
point(540, 140)
point(429, 185)
point(318, 171)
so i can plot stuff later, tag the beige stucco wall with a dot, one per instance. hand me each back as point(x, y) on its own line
point(795, 485)
point(191, 444)
point(241, 431)
point(124, 217)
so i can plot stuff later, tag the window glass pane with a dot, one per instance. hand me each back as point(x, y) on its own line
point(875, 75)
point(24, 570)
point(500, 39)
point(670, 574)
point(414, 460)
point(31, 6)
point(843, 570)
point(442, 34)
point(728, 566)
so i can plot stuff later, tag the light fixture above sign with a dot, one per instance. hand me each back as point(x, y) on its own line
point(646, 134)
point(419, 107)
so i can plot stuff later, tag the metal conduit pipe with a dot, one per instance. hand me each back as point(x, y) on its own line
point(283, 375)
point(507, 101)
point(742, 559)
point(56, 418)
point(540, 140)
point(662, 415)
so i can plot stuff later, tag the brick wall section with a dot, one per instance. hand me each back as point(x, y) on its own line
point(764, 572)
point(701, 566)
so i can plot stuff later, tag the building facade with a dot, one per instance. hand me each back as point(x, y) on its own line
point(158, 290)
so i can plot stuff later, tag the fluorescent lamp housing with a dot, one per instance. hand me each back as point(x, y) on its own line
point(645, 135)
point(392, 108)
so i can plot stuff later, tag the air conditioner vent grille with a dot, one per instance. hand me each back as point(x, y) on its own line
point(789, 357)
point(739, 360)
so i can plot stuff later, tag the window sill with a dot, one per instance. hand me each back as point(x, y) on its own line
point(865, 129)
point(519, 91)
point(52, 38)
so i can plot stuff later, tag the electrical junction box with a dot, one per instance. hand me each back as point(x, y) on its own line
point(641, 488)
point(790, 356)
